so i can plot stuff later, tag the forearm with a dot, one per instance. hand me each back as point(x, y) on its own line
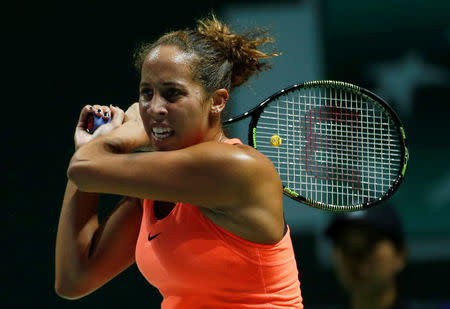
point(77, 225)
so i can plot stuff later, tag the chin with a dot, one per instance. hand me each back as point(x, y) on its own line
point(359, 285)
point(165, 144)
point(174, 142)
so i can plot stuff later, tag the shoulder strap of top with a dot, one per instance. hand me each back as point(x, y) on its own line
point(233, 141)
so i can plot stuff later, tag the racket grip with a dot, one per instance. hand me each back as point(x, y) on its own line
point(94, 121)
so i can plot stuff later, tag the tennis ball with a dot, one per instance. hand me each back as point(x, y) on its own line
point(275, 140)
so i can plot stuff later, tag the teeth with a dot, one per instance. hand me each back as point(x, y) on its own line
point(161, 130)
point(161, 133)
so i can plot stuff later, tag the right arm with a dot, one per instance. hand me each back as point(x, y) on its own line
point(89, 254)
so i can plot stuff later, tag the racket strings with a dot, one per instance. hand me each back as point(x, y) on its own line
point(337, 148)
point(344, 125)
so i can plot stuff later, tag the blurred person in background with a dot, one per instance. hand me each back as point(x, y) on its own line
point(369, 254)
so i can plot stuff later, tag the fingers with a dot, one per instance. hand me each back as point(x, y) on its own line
point(116, 120)
point(95, 116)
point(101, 111)
point(117, 115)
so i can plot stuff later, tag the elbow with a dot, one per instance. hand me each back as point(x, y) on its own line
point(68, 291)
point(73, 171)
point(72, 281)
point(78, 173)
point(72, 287)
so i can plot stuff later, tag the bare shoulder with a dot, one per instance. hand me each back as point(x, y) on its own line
point(260, 161)
point(235, 157)
point(251, 171)
point(253, 153)
point(231, 152)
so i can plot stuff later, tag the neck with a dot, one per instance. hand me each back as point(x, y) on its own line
point(381, 299)
point(216, 133)
point(220, 137)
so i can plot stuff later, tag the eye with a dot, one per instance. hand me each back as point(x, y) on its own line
point(172, 94)
point(146, 94)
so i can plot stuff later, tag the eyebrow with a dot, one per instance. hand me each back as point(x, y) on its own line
point(172, 84)
point(166, 84)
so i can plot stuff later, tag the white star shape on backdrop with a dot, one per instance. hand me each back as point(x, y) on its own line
point(396, 80)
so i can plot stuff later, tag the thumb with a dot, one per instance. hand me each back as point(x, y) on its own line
point(83, 116)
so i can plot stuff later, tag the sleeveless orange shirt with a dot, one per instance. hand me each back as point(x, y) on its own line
point(194, 263)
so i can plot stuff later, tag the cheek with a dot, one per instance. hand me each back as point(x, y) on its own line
point(143, 111)
point(387, 260)
point(190, 116)
point(143, 105)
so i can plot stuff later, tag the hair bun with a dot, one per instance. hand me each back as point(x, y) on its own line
point(241, 50)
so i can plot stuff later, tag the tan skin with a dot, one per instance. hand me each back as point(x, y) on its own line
point(370, 279)
point(235, 187)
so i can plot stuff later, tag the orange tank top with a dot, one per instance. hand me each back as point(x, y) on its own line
point(194, 263)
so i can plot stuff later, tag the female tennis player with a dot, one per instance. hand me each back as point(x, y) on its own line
point(202, 214)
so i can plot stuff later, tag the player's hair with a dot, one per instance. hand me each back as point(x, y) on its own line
point(222, 59)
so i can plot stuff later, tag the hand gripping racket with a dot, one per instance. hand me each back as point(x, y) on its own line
point(336, 146)
point(94, 121)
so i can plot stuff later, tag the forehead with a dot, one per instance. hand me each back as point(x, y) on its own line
point(357, 236)
point(166, 63)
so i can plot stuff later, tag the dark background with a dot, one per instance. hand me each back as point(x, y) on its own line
point(58, 57)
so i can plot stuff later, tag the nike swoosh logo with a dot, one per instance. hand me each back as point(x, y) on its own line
point(150, 237)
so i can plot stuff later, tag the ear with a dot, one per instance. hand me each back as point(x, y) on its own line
point(401, 259)
point(219, 100)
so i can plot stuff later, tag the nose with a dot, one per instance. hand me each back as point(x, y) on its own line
point(361, 269)
point(157, 108)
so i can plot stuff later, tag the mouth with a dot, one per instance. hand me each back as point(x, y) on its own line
point(161, 133)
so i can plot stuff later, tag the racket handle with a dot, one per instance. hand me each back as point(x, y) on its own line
point(94, 121)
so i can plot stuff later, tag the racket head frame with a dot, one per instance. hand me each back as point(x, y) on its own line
point(256, 112)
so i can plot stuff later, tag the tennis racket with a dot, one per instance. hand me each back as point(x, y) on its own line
point(336, 146)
